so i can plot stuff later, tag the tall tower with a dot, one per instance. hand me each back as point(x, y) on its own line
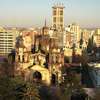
point(58, 16)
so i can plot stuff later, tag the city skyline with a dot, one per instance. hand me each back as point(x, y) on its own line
point(28, 13)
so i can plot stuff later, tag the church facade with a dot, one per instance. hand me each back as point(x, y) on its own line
point(43, 61)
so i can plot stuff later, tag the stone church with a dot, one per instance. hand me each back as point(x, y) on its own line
point(43, 61)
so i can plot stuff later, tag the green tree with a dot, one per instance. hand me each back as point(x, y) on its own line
point(6, 89)
point(90, 45)
point(26, 90)
point(31, 92)
point(16, 89)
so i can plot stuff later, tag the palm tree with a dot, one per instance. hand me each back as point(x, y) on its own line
point(31, 92)
point(27, 91)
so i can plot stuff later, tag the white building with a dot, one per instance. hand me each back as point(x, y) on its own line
point(75, 29)
point(7, 42)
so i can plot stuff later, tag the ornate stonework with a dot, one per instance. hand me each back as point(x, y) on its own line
point(47, 63)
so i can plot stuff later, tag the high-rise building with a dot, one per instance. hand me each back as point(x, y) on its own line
point(7, 41)
point(58, 16)
point(75, 29)
point(58, 23)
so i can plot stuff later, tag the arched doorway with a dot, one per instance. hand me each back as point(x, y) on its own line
point(37, 77)
point(38, 72)
point(53, 79)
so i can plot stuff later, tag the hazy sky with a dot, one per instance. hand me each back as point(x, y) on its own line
point(33, 12)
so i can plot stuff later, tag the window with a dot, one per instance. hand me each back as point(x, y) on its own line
point(54, 12)
point(61, 25)
point(61, 19)
point(23, 58)
point(54, 19)
point(61, 12)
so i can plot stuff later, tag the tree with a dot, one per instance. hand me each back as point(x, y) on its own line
point(79, 94)
point(11, 57)
point(44, 92)
point(81, 42)
point(32, 92)
point(90, 45)
point(16, 89)
point(6, 89)
point(26, 90)
point(6, 67)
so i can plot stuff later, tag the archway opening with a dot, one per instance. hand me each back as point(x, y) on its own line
point(37, 77)
point(53, 79)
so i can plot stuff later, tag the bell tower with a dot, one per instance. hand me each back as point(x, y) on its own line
point(58, 16)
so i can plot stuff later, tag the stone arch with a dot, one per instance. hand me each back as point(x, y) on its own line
point(37, 75)
point(43, 71)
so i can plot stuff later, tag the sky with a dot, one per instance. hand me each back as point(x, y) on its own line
point(32, 13)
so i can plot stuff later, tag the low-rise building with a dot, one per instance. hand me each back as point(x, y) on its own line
point(95, 73)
